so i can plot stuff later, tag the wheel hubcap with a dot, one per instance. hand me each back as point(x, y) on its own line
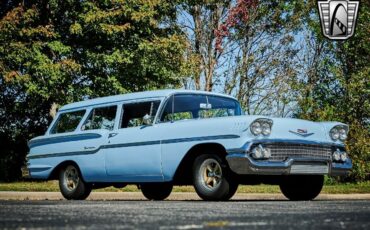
point(211, 172)
point(71, 178)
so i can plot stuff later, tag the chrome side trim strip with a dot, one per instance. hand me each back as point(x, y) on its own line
point(61, 139)
point(133, 144)
point(205, 138)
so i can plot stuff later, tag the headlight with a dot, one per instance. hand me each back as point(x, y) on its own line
point(339, 132)
point(261, 126)
point(266, 129)
point(340, 156)
point(259, 152)
point(342, 134)
point(336, 156)
point(256, 128)
point(334, 134)
point(343, 157)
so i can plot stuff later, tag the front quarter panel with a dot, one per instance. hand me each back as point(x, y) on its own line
point(181, 136)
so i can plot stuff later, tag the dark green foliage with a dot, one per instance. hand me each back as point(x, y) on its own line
point(339, 89)
point(54, 52)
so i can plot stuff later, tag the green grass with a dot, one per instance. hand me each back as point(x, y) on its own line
point(52, 186)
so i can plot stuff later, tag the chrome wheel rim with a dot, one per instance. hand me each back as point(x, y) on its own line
point(211, 174)
point(71, 178)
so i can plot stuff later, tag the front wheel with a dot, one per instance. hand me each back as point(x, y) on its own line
point(156, 191)
point(301, 187)
point(72, 185)
point(212, 178)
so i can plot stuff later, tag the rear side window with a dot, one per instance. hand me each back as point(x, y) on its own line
point(101, 118)
point(68, 122)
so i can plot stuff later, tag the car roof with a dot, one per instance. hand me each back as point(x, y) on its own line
point(135, 96)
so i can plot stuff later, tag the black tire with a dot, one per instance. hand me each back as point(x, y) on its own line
point(232, 191)
point(156, 191)
point(71, 186)
point(301, 187)
point(212, 178)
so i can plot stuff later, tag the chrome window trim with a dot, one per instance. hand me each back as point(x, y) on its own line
point(53, 124)
point(160, 99)
point(91, 109)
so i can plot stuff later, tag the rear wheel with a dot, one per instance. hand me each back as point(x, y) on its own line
point(156, 191)
point(302, 187)
point(72, 185)
point(212, 178)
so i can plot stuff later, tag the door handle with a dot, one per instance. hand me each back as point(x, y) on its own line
point(112, 135)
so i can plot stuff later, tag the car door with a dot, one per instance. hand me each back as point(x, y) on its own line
point(133, 152)
point(100, 122)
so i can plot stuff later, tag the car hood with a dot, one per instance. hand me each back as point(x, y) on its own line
point(298, 129)
point(288, 128)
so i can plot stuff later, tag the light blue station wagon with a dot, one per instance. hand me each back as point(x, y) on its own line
point(162, 138)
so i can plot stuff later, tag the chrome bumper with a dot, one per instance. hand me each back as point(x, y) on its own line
point(242, 163)
point(292, 157)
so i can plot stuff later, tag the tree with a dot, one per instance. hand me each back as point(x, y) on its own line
point(261, 54)
point(218, 34)
point(199, 21)
point(336, 87)
point(53, 52)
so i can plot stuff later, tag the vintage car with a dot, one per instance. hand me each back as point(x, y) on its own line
point(162, 138)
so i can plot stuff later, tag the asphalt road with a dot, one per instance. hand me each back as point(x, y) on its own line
point(139, 214)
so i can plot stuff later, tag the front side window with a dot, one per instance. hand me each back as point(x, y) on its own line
point(182, 107)
point(220, 107)
point(192, 106)
point(134, 113)
point(68, 122)
point(101, 118)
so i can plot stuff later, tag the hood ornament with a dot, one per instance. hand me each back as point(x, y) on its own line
point(301, 132)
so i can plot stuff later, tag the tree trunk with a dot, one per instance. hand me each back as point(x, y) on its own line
point(198, 37)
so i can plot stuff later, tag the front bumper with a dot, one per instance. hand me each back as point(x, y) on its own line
point(290, 157)
point(244, 164)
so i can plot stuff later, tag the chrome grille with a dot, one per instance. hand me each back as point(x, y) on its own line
point(281, 151)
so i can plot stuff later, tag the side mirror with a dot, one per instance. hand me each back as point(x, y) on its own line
point(147, 119)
